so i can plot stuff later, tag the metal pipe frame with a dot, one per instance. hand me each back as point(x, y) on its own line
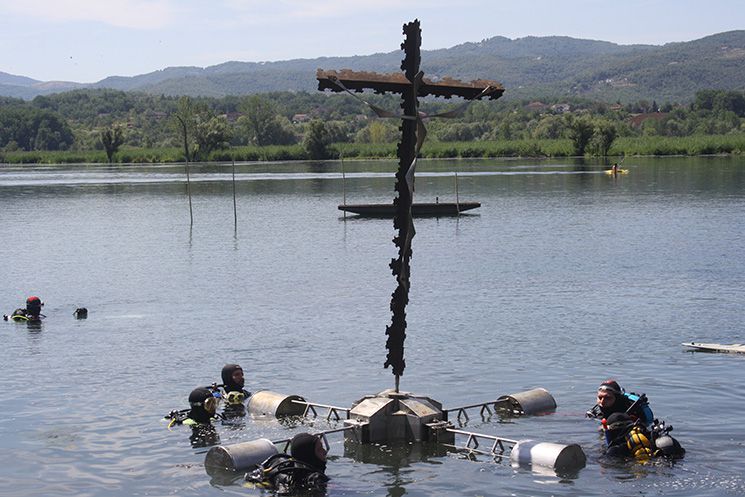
point(285, 443)
point(462, 414)
point(310, 407)
point(498, 448)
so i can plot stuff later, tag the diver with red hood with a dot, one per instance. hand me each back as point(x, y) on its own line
point(31, 313)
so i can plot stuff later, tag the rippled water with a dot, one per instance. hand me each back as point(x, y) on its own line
point(564, 277)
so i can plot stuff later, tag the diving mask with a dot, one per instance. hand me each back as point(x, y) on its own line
point(210, 404)
point(234, 398)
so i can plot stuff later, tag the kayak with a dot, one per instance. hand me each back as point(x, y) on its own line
point(715, 347)
point(619, 171)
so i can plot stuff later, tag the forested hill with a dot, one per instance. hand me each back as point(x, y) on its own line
point(530, 67)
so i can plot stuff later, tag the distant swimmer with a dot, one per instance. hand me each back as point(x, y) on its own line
point(31, 313)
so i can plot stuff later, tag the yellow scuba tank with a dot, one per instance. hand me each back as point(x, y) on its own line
point(639, 444)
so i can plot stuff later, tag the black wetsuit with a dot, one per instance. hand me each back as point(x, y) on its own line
point(287, 475)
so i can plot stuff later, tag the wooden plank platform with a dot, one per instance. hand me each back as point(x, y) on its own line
point(434, 209)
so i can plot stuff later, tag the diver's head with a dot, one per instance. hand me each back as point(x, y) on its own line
point(33, 305)
point(203, 405)
point(309, 449)
point(608, 392)
point(617, 424)
point(232, 378)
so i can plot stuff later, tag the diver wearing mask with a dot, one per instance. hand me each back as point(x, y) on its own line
point(203, 407)
point(611, 398)
point(233, 382)
point(30, 313)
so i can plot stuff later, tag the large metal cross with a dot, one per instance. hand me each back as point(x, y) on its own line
point(411, 84)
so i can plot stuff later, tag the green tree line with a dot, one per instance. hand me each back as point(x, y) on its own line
point(202, 128)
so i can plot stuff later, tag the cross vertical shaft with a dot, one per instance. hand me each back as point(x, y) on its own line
point(411, 84)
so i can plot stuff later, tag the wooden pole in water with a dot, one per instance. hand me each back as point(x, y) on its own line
point(188, 192)
point(343, 185)
point(457, 198)
point(235, 208)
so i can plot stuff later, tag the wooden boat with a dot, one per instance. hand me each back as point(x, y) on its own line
point(434, 209)
point(715, 347)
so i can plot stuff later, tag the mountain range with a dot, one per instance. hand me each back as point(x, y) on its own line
point(530, 67)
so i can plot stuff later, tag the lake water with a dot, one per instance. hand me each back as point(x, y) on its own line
point(564, 277)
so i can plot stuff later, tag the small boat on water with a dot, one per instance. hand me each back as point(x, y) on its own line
point(431, 209)
point(715, 347)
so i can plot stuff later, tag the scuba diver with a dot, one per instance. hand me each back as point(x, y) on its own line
point(199, 417)
point(233, 391)
point(32, 311)
point(303, 470)
point(629, 438)
point(233, 381)
point(611, 398)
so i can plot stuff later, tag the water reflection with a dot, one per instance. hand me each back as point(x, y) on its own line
point(204, 435)
point(393, 458)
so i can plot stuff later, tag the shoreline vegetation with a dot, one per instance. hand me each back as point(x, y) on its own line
point(730, 144)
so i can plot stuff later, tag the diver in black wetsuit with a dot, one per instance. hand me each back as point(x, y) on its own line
point(203, 406)
point(301, 471)
point(32, 311)
point(234, 393)
point(626, 438)
point(611, 399)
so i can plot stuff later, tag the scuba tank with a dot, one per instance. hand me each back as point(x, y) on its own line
point(639, 444)
point(626, 437)
point(665, 444)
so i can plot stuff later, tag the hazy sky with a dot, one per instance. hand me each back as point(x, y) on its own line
point(88, 40)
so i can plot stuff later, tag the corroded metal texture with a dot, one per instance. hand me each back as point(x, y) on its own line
point(397, 83)
point(402, 220)
point(410, 84)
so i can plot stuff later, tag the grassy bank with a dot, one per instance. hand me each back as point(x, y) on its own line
point(645, 145)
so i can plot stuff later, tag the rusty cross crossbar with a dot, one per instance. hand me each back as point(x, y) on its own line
point(310, 407)
point(486, 407)
point(397, 83)
point(498, 447)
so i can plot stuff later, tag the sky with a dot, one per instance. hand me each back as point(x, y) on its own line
point(88, 40)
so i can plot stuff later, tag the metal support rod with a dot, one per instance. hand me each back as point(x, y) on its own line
point(322, 434)
point(485, 406)
point(498, 447)
point(331, 410)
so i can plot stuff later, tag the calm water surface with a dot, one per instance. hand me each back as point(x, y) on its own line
point(564, 277)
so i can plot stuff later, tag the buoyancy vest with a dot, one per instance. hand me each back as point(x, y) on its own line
point(642, 410)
